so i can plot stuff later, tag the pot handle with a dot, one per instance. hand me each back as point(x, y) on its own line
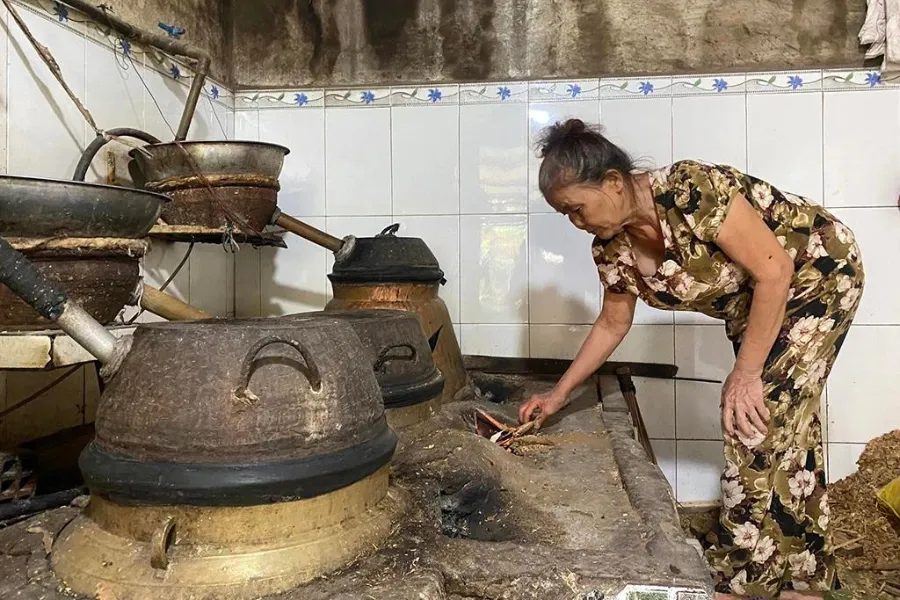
point(384, 358)
point(159, 544)
point(314, 377)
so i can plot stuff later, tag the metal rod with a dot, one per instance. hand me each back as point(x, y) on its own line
point(308, 232)
point(190, 104)
point(166, 44)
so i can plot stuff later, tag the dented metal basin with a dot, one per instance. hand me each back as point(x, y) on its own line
point(227, 185)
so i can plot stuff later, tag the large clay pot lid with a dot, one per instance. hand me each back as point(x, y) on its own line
point(387, 258)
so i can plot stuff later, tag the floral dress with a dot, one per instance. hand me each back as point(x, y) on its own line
point(773, 533)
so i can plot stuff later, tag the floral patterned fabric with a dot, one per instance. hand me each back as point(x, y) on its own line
point(773, 534)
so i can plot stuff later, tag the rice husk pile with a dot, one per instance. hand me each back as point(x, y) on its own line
point(866, 534)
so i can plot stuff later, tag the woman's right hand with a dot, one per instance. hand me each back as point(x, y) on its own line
point(540, 406)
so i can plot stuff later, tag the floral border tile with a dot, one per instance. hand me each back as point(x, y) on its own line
point(635, 87)
point(138, 56)
point(246, 100)
point(709, 84)
point(267, 99)
point(784, 81)
point(857, 80)
point(564, 90)
point(358, 97)
point(491, 93)
point(425, 95)
point(52, 11)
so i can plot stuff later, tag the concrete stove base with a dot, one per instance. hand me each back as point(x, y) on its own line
point(577, 512)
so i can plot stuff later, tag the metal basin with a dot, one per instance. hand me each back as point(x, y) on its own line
point(34, 207)
point(216, 160)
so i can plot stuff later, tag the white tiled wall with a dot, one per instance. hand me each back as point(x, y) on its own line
point(456, 166)
point(43, 136)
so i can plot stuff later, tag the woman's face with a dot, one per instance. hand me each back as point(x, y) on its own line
point(601, 210)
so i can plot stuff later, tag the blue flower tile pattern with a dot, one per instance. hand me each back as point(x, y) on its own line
point(367, 97)
point(873, 79)
point(573, 90)
point(434, 95)
point(795, 81)
point(720, 85)
point(503, 92)
point(301, 99)
point(646, 88)
point(61, 12)
point(173, 31)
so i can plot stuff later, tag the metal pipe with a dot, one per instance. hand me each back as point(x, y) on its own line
point(52, 302)
point(308, 232)
point(18, 508)
point(84, 163)
point(190, 104)
point(166, 44)
point(88, 332)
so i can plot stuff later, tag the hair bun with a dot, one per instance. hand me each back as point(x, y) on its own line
point(571, 127)
point(561, 134)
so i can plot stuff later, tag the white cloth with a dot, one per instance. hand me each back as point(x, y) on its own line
point(881, 32)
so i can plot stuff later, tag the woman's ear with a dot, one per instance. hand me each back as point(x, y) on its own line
point(615, 180)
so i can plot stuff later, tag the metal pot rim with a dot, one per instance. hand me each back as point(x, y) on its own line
point(84, 184)
point(187, 144)
point(247, 323)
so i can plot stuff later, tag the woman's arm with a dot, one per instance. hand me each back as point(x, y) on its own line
point(610, 328)
point(746, 239)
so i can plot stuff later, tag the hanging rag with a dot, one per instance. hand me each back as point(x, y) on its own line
point(881, 32)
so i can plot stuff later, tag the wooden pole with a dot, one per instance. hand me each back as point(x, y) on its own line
point(169, 307)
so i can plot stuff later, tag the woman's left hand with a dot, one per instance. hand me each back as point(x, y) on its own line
point(743, 404)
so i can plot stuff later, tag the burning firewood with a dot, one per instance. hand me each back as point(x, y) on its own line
point(498, 432)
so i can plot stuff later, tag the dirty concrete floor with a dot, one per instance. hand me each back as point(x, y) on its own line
point(553, 522)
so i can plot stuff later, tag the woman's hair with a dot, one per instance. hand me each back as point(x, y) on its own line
point(574, 153)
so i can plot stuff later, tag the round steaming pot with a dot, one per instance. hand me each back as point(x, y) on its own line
point(236, 412)
point(400, 357)
point(400, 273)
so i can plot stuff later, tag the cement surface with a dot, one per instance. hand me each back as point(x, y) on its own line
point(577, 512)
point(283, 43)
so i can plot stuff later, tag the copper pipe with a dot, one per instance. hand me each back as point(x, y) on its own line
point(166, 44)
point(308, 232)
point(169, 307)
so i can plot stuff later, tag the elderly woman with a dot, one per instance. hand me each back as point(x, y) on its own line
point(785, 276)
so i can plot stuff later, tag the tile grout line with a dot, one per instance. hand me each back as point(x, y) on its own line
point(674, 345)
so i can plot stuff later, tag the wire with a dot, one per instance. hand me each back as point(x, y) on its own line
point(171, 278)
point(51, 63)
point(152, 97)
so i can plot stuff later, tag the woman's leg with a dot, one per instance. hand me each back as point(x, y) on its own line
point(773, 533)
